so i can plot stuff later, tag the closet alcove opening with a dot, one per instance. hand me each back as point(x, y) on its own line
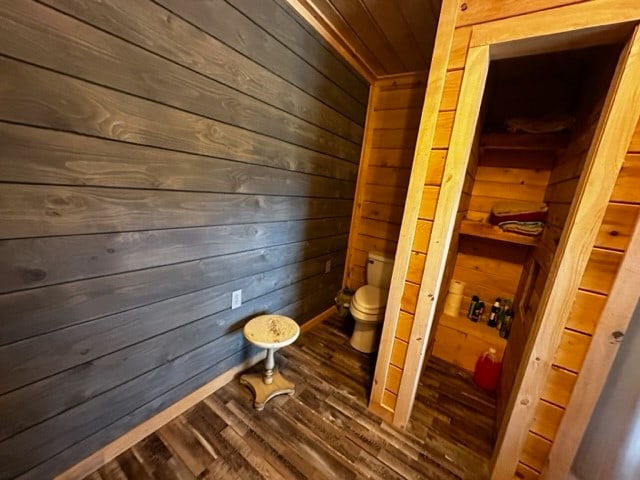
point(537, 121)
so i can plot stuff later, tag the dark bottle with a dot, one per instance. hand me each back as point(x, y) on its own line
point(505, 327)
point(493, 316)
point(503, 309)
point(478, 311)
point(472, 306)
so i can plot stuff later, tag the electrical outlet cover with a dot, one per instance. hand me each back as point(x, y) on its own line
point(236, 299)
point(327, 266)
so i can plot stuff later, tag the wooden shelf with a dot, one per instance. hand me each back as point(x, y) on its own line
point(476, 329)
point(484, 230)
point(525, 141)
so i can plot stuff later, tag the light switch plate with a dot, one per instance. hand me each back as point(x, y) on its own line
point(236, 299)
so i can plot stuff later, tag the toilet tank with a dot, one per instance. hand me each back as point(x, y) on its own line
point(379, 270)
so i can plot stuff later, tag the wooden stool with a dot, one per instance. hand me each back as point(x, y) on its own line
point(270, 332)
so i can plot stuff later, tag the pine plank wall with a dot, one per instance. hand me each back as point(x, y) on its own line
point(155, 157)
point(607, 253)
point(395, 105)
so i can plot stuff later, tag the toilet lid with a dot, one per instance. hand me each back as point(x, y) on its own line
point(370, 299)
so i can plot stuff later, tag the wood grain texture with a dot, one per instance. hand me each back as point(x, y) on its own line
point(221, 20)
point(39, 210)
point(402, 294)
point(37, 262)
point(480, 12)
point(383, 38)
point(462, 135)
point(619, 114)
point(322, 431)
point(598, 362)
point(97, 56)
point(150, 24)
point(382, 185)
point(151, 165)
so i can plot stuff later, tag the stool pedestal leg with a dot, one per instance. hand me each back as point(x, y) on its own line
point(269, 365)
point(268, 384)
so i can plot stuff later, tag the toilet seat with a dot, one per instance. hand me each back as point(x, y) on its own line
point(368, 304)
point(370, 300)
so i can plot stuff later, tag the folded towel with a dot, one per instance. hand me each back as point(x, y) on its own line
point(518, 211)
point(531, 229)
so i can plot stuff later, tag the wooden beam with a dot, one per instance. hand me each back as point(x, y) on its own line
point(580, 16)
point(426, 135)
point(356, 214)
point(333, 37)
point(604, 347)
point(464, 130)
point(604, 160)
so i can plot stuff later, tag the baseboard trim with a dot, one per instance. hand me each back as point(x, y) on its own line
point(112, 450)
point(318, 319)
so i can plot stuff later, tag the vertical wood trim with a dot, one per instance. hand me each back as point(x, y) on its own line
point(604, 160)
point(603, 349)
point(424, 143)
point(460, 147)
point(365, 154)
point(334, 38)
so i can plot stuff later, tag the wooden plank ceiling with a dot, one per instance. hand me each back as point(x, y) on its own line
point(378, 37)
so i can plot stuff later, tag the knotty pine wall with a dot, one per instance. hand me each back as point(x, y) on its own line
point(606, 256)
point(395, 105)
point(602, 268)
point(155, 157)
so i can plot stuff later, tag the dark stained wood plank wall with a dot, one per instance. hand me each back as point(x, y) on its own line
point(156, 157)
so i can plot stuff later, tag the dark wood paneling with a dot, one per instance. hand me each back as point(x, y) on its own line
point(279, 20)
point(146, 24)
point(136, 393)
point(41, 261)
point(221, 20)
point(38, 155)
point(38, 210)
point(88, 340)
point(136, 351)
point(45, 37)
point(151, 165)
point(39, 97)
point(31, 312)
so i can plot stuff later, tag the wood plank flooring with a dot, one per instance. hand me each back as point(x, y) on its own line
point(325, 429)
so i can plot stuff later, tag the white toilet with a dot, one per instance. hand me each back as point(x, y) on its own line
point(369, 302)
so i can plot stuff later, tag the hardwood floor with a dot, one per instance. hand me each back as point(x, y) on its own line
point(325, 429)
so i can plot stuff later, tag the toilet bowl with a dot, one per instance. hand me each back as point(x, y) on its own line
point(369, 302)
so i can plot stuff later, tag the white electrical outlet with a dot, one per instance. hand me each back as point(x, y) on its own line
point(327, 266)
point(236, 299)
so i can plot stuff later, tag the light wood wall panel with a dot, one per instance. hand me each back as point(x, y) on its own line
point(619, 220)
point(491, 268)
point(156, 157)
point(387, 155)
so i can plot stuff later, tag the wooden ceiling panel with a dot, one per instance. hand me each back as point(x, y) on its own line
point(377, 37)
point(358, 16)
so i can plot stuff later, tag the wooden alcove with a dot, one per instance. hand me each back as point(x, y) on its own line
point(577, 180)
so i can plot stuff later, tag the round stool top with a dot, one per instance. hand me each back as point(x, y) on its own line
point(271, 331)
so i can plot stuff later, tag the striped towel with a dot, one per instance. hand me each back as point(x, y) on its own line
point(531, 229)
point(518, 211)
